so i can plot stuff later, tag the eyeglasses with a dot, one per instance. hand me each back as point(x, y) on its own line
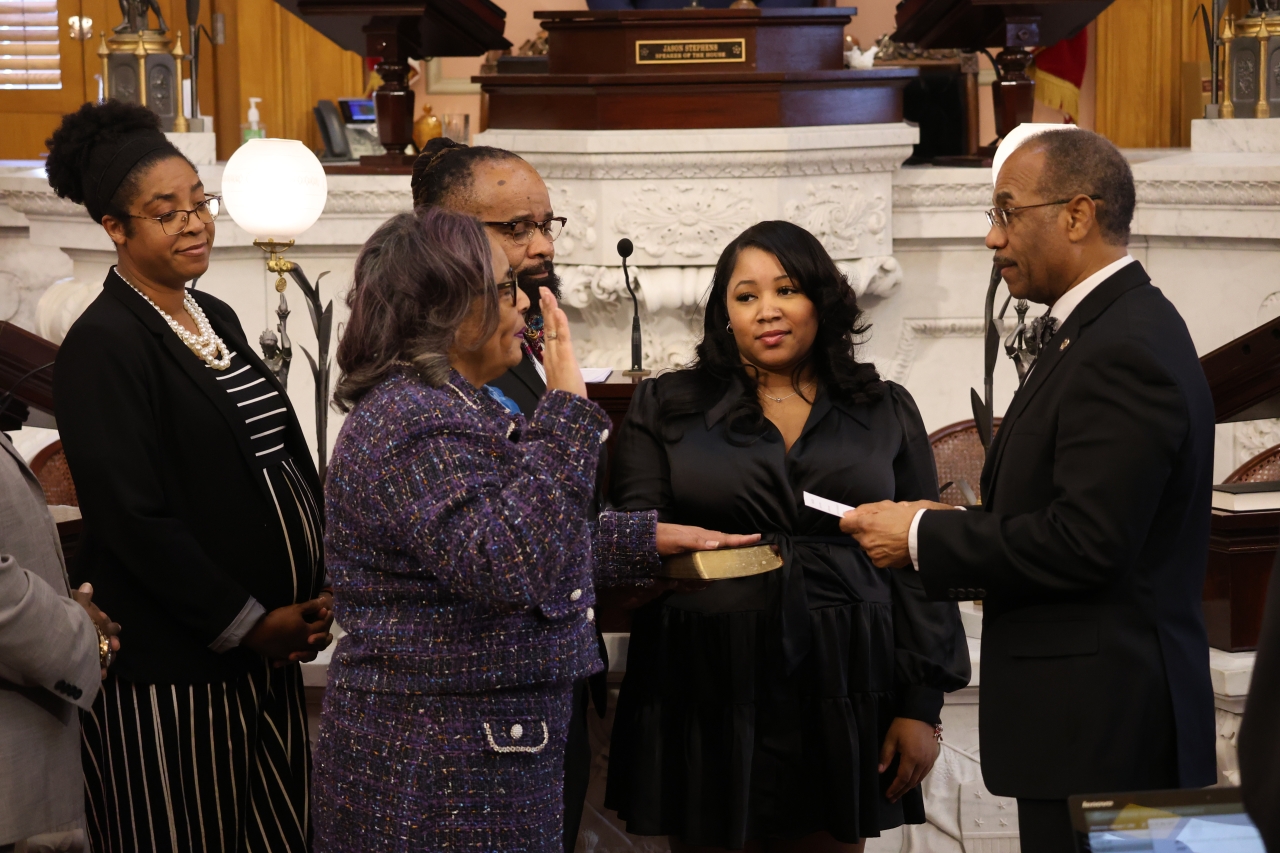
point(511, 284)
point(998, 217)
point(175, 221)
point(521, 230)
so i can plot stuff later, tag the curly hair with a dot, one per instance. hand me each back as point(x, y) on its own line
point(717, 362)
point(445, 168)
point(77, 147)
point(416, 280)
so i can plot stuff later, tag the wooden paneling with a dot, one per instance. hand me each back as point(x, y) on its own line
point(273, 55)
point(1141, 48)
point(1139, 69)
point(31, 115)
point(269, 53)
point(25, 133)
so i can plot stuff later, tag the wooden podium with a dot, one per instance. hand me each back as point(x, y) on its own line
point(1244, 377)
point(695, 68)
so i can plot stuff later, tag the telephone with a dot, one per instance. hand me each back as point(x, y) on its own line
point(333, 131)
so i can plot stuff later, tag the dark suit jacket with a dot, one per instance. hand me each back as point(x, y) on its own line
point(1259, 738)
point(522, 384)
point(180, 528)
point(1090, 555)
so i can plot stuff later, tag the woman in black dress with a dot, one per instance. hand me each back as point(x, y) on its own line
point(794, 710)
point(201, 514)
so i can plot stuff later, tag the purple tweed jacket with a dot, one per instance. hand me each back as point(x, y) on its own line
point(461, 557)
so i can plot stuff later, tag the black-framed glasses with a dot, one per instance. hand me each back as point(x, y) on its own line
point(510, 285)
point(173, 222)
point(521, 230)
point(998, 217)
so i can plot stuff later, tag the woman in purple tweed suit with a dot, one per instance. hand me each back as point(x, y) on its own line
point(458, 544)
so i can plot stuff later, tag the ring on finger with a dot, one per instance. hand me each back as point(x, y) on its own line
point(552, 335)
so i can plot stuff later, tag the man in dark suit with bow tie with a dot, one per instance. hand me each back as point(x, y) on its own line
point(1089, 550)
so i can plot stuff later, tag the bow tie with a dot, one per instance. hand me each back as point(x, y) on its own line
point(1041, 332)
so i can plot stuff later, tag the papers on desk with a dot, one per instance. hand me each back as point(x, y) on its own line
point(595, 375)
point(823, 505)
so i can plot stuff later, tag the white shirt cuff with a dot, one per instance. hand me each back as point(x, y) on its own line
point(913, 541)
point(248, 617)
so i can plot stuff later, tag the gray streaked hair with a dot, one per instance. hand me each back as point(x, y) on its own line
point(417, 280)
point(1080, 161)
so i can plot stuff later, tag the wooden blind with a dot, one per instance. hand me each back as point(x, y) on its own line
point(29, 45)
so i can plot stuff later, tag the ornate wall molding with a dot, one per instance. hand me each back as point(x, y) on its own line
point(40, 203)
point(1209, 193)
point(913, 329)
point(688, 220)
point(720, 164)
point(840, 214)
point(580, 230)
point(977, 194)
point(382, 202)
point(878, 275)
point(1175, 193)
point(1253, 437)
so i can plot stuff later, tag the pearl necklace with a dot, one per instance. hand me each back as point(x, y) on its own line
point(207, 345)
point(788, 397)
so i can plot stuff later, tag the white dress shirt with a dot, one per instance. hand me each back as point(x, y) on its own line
point(1060, 311)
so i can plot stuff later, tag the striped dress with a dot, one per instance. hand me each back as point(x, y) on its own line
point(223, 766)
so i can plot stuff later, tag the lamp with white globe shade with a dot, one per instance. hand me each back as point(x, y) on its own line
point(275, 189)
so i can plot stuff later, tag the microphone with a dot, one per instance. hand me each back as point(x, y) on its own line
point(625, 248)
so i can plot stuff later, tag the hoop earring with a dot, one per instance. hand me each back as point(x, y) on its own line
point(728, 327)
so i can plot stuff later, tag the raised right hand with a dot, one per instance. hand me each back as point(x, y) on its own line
point(293, 633)
point(679, 538)
point(558, 359)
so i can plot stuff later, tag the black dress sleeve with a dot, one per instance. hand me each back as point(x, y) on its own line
point(931, 654)
point(641, 477)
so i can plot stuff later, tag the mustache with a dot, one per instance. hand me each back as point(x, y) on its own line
point(1002, 261)
point(529, 283)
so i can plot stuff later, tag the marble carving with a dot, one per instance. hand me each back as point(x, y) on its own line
point(687, 219)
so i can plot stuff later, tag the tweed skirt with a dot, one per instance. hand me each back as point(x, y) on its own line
point(419, 772)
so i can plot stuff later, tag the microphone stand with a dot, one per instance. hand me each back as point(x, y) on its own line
point(637, 371)
point(984, 407)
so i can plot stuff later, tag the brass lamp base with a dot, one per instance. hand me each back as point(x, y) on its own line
point(275, 263)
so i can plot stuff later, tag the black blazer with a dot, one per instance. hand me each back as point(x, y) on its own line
point(180, 529)
point(1090, 556)
point(523, 385)
point(1259, 738)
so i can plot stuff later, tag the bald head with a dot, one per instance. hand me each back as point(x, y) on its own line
point(502, 191)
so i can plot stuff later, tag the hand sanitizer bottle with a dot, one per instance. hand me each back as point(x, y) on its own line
point(253, 128)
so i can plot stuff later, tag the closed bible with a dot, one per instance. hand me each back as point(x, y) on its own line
point(721, 564)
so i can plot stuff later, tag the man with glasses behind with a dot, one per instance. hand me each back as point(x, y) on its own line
point(1089, 549)
point(504, 192)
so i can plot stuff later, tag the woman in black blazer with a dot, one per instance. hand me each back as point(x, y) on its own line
point(202, 519)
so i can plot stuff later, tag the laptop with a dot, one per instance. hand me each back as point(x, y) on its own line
point(1192, 820)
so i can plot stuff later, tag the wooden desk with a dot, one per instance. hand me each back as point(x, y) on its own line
point(1242, 548)
point(695, 68)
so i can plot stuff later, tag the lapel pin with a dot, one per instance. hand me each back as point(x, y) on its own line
point(1066, 342)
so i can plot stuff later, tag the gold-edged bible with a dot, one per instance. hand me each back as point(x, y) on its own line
point(722, 564)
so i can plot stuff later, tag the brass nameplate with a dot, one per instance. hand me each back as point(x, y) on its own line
point(722, 564)
point(691, 51)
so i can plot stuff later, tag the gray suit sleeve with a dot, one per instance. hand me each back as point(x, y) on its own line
point(46, 639)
